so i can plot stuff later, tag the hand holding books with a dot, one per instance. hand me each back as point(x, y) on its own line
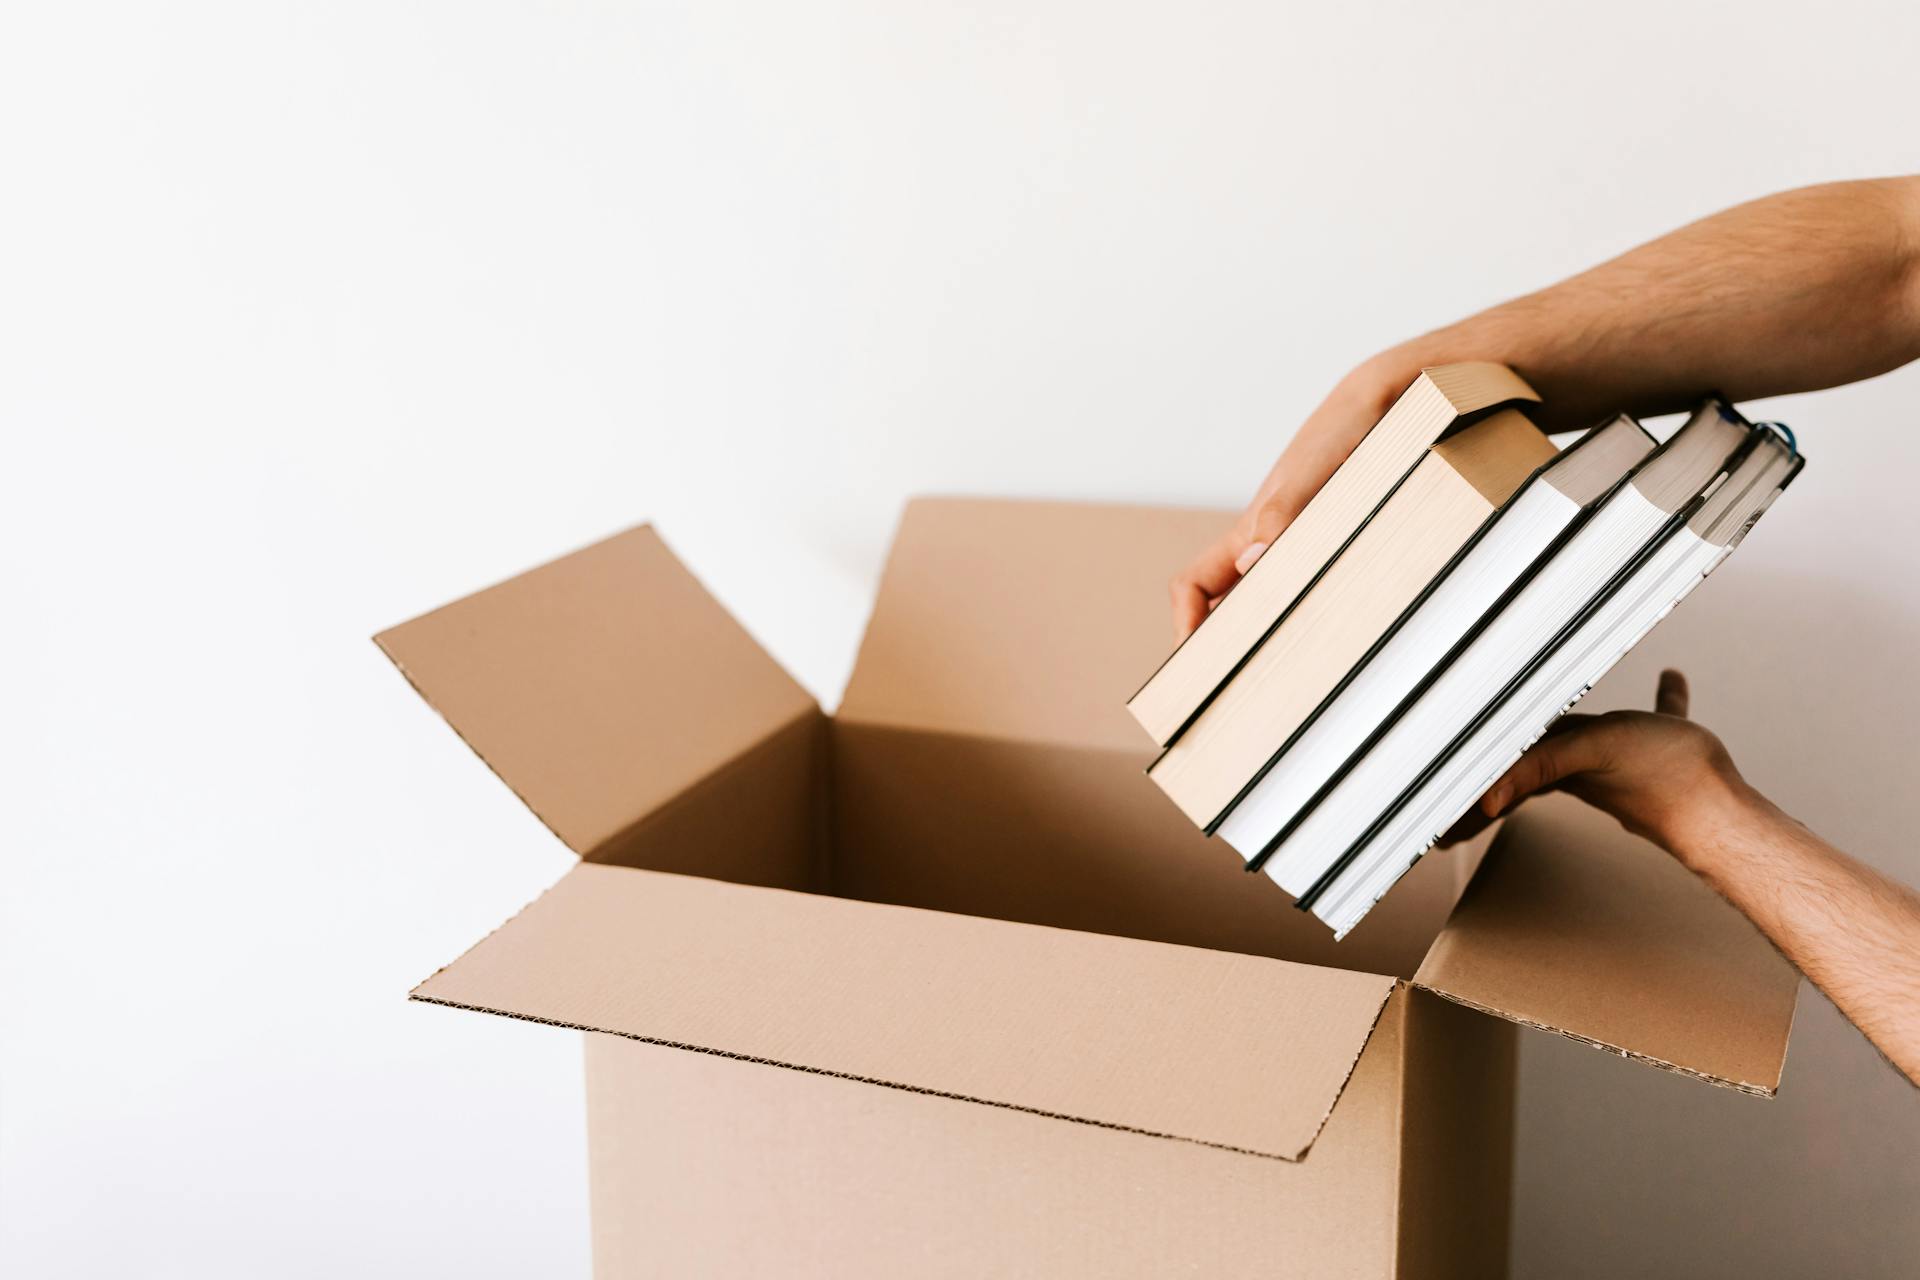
point(1657, 772)
point(1472, 602)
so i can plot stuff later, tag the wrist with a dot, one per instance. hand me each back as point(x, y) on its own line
point(1716, 810)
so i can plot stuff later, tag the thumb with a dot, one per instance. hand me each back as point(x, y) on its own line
point(1270, 520)
point(1671, 697)
point(1577, 744)
point(1273, 516)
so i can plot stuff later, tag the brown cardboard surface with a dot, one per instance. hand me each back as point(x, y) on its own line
point(760, 818)
point(1234, 1051)
point(983, 765)
point(1028, 620)
point(1072, 837)
point(1456, 1140)
point(1577, 927)
point(599, 686)
point(711, 1167)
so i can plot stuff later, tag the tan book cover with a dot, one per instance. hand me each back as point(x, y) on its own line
point(1458, 486)
point(1436, 402)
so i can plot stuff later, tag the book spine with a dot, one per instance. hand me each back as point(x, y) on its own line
point(1673, 524)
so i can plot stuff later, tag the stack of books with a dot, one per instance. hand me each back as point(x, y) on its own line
point(1454, 587)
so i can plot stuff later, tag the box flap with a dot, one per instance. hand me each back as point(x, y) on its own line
point(1233, 1051)
point(1024, 620)
point(1578, 927)
point(599, 686)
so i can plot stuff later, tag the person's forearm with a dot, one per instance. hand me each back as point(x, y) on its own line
point(1852, 931)
point(1795, 292)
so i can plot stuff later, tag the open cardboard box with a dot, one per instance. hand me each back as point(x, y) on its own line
point(941, 985)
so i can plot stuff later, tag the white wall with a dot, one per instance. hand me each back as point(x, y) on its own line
point(315, 315)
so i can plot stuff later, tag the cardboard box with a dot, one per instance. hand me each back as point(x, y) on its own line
point(940, 985)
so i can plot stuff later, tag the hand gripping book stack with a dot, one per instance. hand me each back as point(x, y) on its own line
point(1456, 586)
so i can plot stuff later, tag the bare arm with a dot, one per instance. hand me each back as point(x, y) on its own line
point(1852, 931)
point(1803, 290)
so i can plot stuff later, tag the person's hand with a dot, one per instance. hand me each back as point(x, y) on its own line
point(1323, 442)
point(1656, 771)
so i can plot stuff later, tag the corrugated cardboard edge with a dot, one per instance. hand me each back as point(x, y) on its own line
point(1572, 919)
point(1738, 1086)
point(914, 1088)
point(379, 640)
point(1347, 1079)
point(712, 1051)
point(810, 707)
point(638, 825)
point(598, 685)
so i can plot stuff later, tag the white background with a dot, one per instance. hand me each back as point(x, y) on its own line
point(315, 316)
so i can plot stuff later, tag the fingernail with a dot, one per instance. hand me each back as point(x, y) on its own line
point(1247, 557)
point(1496, 801)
